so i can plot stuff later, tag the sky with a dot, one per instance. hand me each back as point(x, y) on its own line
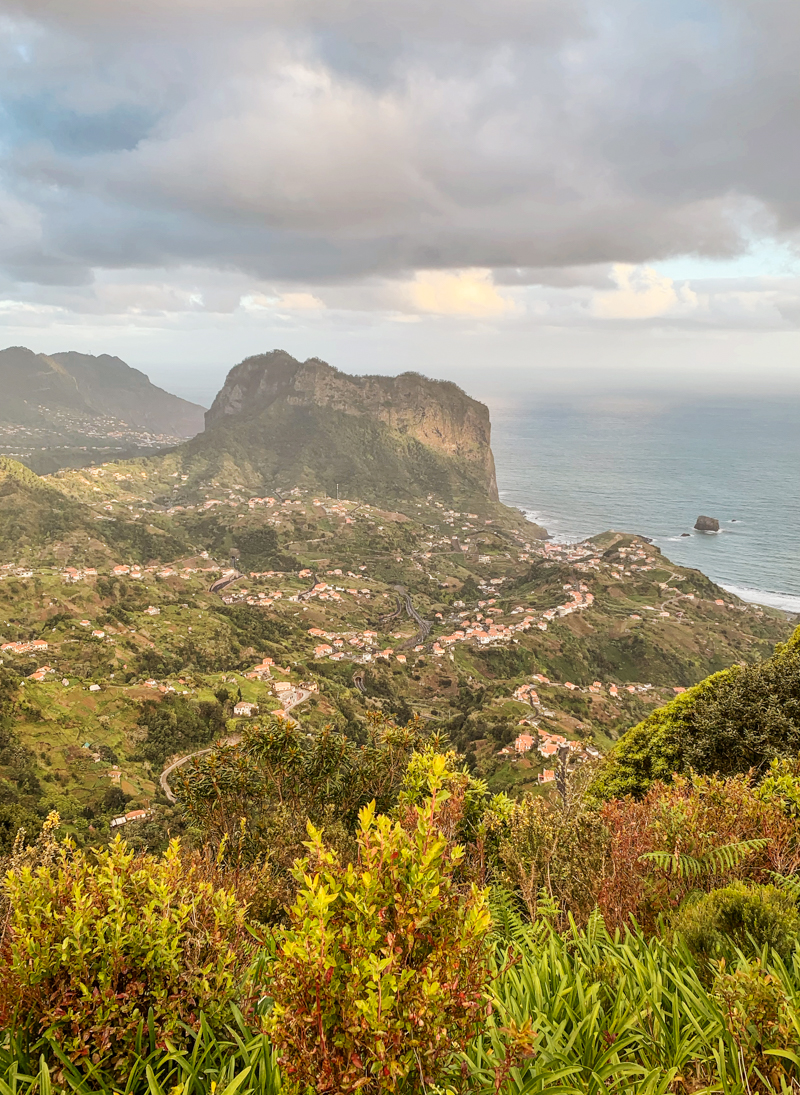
point(509, 193)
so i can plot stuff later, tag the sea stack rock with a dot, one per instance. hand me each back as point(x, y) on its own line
point(707, 524)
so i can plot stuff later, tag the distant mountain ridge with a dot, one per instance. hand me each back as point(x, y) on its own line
point(283, 422)
point(36, 387)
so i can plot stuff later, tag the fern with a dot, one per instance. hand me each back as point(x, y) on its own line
point(510, 925)
point(789, 883)
point(715, 861)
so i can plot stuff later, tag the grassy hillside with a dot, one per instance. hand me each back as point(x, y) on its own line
point(39, 522)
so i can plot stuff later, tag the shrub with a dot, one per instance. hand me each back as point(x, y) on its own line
point(735, 720)
point(692, 834)
point(382, 975)
point(98, 944)
point(739, 915)
point(556, 847)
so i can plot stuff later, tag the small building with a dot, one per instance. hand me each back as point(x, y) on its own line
point(524, 743)
point(245, 710)
point(547, 776)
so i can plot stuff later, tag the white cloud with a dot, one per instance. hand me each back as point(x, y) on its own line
point(287, 302)
point(462, 293)
point(643, 293)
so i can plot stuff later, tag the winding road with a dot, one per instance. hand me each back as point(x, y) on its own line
point(300, 695)
point(223, 583)
point(425, 627)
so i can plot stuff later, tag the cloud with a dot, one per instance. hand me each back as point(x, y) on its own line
point(463, 293)
point(291, 302)
point(643, 293)
point(524, 162)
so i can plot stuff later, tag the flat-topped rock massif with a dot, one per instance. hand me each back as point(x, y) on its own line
point(376, 436)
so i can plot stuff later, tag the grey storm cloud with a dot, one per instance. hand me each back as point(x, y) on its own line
point(337, 139)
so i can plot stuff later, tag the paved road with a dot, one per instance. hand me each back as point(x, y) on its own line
point(424, 626)
point(300, 695)
point(307, 593)
point(223, 583)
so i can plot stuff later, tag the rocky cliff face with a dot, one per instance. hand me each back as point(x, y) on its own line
point(436, 413)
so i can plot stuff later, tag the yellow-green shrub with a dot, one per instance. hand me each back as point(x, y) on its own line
point(382, 975)
point(98, 943)
point(740, 915)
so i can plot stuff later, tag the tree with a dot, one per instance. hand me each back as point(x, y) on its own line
point(735, 720)
point(256, 796)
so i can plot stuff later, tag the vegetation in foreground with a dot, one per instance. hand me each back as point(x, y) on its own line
point(454, 940)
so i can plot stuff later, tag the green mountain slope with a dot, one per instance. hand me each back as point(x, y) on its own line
point(34, 513)
point(110, 387)
point(38, 521)
point(67, 394)
point(30, 381)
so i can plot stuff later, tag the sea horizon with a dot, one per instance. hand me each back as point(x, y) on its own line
point(580, 465)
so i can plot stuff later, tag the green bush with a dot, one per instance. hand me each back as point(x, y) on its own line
point(740, 915)
point(735, 720)
point(381, 977)
point(98, 944)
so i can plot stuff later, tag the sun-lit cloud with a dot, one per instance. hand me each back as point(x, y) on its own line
point(642, 293)
point(459, 293)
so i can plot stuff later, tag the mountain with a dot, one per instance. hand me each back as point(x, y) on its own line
point(281, 423)
point(65, 395)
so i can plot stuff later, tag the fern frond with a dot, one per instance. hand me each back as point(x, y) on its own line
point(728, 856)
point(684, 866)
point(789, 883)
point(714, 861)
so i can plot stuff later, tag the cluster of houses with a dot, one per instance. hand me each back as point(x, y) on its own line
point(486, 631)
point(526, 693)
point(363, 642)
point(9, 570)
point(41, 673)
point(548, 746)
point(72, 575)
point(261, 672)
point(34, 646)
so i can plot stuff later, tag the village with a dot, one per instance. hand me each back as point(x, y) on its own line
point(363, 609)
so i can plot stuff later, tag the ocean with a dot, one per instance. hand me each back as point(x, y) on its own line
point(584, 463)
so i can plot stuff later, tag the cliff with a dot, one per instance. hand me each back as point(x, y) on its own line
point(307, 423)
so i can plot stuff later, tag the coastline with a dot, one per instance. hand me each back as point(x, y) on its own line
point(784, 602)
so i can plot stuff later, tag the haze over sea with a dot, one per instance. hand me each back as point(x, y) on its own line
point(582, 464)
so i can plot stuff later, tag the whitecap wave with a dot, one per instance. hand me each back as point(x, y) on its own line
point(786, 602)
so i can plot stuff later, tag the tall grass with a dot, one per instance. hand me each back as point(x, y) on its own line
point(631, 1014)
point(240, 1063)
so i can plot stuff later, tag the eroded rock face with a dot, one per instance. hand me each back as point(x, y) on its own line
point(707, 524)
point(435, 412)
